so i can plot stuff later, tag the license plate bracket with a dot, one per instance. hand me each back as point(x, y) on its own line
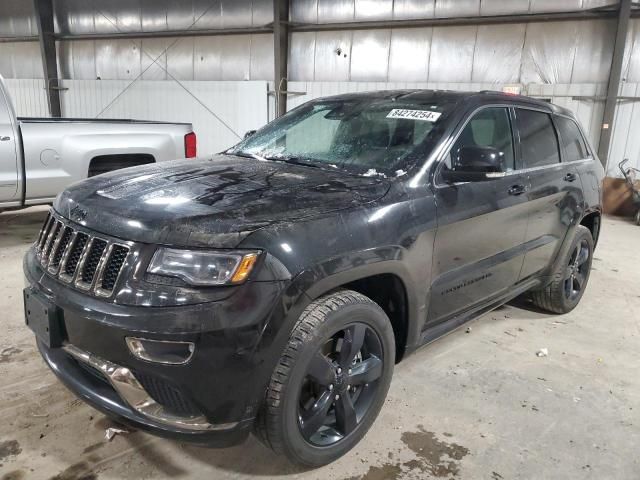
point(43, 318)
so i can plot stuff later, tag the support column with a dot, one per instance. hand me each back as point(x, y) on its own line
point(280, 53)
point(613, 87)
point(44, 18)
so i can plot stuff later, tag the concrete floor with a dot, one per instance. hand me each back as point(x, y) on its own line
point(472, 405)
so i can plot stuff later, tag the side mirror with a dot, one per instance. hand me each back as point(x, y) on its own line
point(475, 163)
point(249, 133)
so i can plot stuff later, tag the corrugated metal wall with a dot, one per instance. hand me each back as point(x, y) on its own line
point(513, 53)
point(233, 57)
point(557, 60)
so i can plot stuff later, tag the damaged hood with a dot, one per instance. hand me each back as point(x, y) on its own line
point(214, 202)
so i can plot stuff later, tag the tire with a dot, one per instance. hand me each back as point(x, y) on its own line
point(638, 217)
point(309, 374)
point(570, 276)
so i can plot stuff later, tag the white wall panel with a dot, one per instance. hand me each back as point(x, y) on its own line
point(625, 139)
point(406, 9)
point(242, 105)
point(373, 9)
point(631, 65)
point(503, 42)
point(549, 52)
point(370, 55)
point(457, 8)
point(20, 60)
point(332, 56)
point(409, 55)
point(452, 49)
point(28, 97)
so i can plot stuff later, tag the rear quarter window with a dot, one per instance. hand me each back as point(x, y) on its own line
point(571, 139)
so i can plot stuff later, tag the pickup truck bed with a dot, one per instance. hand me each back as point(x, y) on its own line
point(40, 157)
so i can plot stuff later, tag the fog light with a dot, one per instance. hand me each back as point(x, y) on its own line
point(160, 351)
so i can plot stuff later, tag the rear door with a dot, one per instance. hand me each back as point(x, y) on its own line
point(8, 153)
point(555, 197)
point(481, 225)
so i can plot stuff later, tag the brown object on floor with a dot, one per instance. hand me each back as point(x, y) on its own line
point(618, 198)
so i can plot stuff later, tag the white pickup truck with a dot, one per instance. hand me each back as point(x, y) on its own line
point(40, 157)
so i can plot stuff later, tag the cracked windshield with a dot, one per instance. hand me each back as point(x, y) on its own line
point(371, 138)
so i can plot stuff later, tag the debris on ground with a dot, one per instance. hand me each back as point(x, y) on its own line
point(543, 352)
point(111, 432)
point(468, 329)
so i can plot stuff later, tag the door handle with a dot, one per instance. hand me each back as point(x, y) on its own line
point(517, 190)
point(5, 139)
point(570, 177)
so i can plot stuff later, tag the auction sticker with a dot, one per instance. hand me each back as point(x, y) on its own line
point(423, 115)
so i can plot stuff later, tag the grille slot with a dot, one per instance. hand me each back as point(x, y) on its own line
point(54, 263)
point(91, 261)
point(113, 267)
point(44, 232)
point(74, 255)
point(69, 254)
point(51, 239)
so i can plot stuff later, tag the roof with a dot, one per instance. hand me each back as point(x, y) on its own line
point(423, 95)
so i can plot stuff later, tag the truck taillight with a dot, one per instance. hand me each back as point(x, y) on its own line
point(190, 149)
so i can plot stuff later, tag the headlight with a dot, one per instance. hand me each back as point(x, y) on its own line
point(203, 268)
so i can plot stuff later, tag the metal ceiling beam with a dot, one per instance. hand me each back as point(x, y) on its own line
point(456, 21)
point(212, 32)
point(44, 19)
point(280, 53)
point(615, 73)
point(24, 38)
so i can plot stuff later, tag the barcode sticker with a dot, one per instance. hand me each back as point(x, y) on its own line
point(423, 115)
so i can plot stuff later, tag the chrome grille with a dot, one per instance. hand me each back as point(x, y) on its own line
point(86, 261)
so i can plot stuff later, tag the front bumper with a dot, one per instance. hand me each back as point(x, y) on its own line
point(211, 400)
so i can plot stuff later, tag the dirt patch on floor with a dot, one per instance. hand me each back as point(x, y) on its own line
point(7, 354)
point(9, 448)
point(77, 471)
point(435, 456)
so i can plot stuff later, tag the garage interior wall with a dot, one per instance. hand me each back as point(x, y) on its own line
point(566, 62)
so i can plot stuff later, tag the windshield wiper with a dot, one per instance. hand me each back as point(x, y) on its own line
point(296, 161)
point(250, 155)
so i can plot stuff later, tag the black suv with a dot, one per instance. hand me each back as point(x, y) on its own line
point(273, 287)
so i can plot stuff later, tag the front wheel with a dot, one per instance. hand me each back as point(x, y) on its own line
point(331, 380)
point(570, 276)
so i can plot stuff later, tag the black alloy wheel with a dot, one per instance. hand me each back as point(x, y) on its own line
point(578, 270)
point(341, 381)
point(570, 275)
point(331, 380)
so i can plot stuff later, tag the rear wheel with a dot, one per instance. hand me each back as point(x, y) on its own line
point(570, 276)
point(331, 381)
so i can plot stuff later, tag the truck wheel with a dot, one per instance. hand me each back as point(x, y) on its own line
point(331, 380)
point(570, 276)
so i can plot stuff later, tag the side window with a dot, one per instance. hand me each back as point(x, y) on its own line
point(571, 139)
point(538, 141)
point(489, 127)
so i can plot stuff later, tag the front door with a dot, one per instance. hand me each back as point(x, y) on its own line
point(8, 154)
point(478, 249)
